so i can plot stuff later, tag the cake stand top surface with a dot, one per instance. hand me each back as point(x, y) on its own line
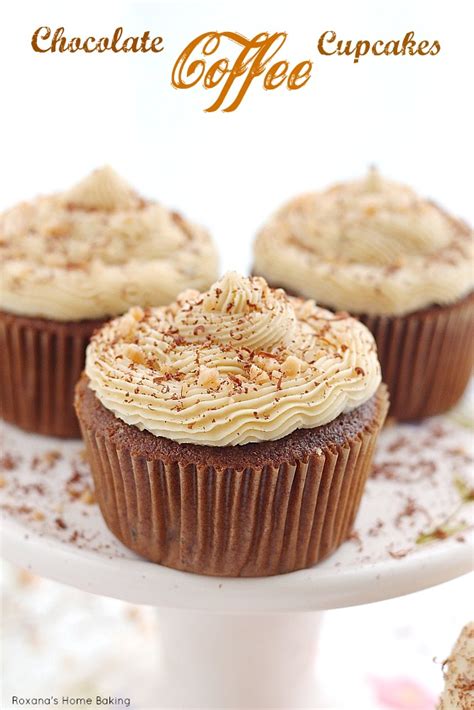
point(414, 529)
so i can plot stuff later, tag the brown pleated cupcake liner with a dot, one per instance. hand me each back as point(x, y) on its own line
point(41, 361)
point(227, 521)
point(426, 357)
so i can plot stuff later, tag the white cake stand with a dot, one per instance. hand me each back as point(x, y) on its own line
point(244, 643)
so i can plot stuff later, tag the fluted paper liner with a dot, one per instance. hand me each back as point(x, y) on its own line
point(41, 361)
point(224, 521)
point(426, 357)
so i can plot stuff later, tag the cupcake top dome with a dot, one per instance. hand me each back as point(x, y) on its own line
point(95, 250)
point(239, 363)
point(370, 246)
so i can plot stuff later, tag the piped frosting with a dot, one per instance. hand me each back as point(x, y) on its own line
point(368, 246)
point(97, 249)
point(239, 363)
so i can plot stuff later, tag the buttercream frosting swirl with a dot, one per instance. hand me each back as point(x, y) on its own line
point(97, 249)
point(368, 246)
point(240, 363)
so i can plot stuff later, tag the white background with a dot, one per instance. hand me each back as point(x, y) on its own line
point(64, 114)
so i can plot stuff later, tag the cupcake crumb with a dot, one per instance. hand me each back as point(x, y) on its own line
point(127, 326)
point(291, 366)
point(208, 377)
point(8, 462)
point(254, 372)
point(87, 496)
point(135, 354)
point(137, 313)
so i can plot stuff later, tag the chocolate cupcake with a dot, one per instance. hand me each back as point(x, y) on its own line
point(69, 261)
point(458, 671)
point(231, 433)
point(398, 262)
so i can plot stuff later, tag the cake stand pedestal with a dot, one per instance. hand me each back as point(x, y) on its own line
point(247, 643)
point(215, 660)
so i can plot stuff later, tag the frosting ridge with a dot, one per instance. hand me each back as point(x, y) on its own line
point(237, 364)
point(368, 246)
point(97, 249)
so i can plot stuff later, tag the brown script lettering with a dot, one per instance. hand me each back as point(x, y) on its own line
point(254, 60)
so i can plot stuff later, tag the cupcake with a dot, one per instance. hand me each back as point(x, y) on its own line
point(231, 433)
point(69, 261)
point(398, 262)
point(458, 693)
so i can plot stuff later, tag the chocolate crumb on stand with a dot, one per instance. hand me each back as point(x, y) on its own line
point(403, 450)
point(430, 463)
